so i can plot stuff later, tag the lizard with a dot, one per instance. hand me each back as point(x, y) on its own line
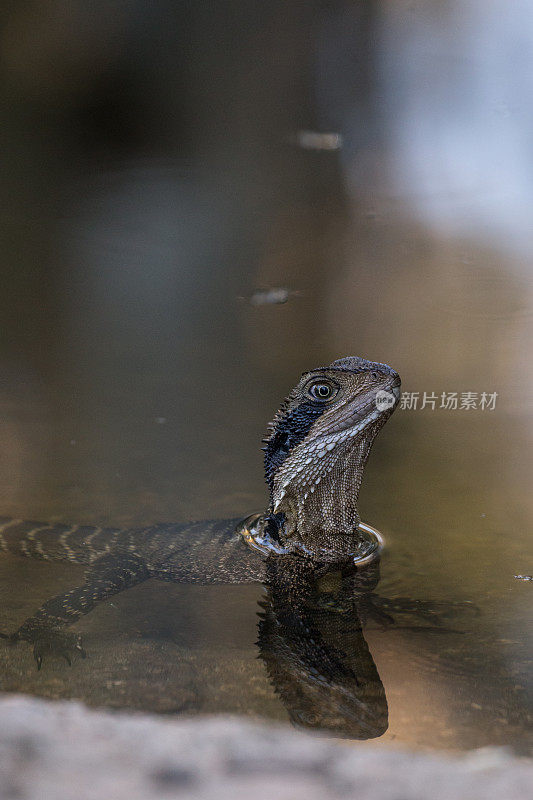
point(315, 452)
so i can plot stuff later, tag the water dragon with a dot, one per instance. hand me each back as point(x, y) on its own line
point(315, 452)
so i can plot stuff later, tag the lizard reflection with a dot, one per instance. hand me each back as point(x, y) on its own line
point(311, 641)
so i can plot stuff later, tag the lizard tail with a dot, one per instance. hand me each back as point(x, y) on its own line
point(81, 544)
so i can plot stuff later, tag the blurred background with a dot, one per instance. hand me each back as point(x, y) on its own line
point(164, 162)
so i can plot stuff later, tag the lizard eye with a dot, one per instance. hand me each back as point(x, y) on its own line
point(322, 390)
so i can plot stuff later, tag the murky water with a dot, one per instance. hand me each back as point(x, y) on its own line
point(137, 380)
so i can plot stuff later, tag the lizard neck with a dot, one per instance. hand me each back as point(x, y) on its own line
point(322, 519)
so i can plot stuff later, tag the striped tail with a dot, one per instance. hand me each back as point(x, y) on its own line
point(81, 544)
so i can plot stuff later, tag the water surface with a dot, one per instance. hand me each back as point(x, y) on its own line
point(137, 378)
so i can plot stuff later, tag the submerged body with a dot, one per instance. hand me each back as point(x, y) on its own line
point(310, 628)
point(210, 551)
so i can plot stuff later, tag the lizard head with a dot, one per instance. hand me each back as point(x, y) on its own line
point(316, 450)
